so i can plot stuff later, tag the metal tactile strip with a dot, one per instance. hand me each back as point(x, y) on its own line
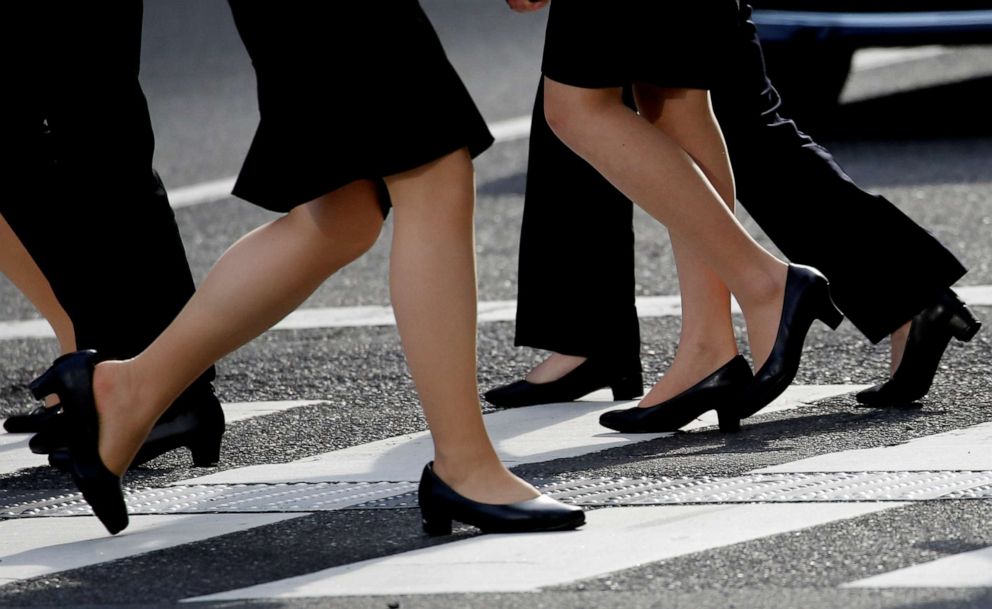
point(211, 499)
point(326, 496)
point(770, 488)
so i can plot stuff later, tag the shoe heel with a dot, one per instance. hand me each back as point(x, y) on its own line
point(830, 314)
point(964, 326)
point(206, 451)
point(729, 420)
point(46, 384)
point(627, 388)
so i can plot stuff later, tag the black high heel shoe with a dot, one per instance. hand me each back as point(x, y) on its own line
point(807, 298)
point(32, 422)
point(440, 505)
point(929, 334)
point(71, 378)
point(194, 422)
point(719, 391)
point(587, 377)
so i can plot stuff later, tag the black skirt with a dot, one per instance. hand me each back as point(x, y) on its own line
point(347, 91)
point(666, 43)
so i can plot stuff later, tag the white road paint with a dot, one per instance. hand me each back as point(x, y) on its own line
point(38, 546)
point(521, 435)
point(613, 539)
point(15, 454)
point(870, 59)
point(965, 570)
point(968, 449)
point(489, 311)
point(240, 411)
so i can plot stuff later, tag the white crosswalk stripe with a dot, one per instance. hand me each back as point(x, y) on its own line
point(966, 570)
point(15, 455)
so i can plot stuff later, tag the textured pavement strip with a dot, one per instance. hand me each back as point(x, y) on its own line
point(966, 570)
point(382, 315)
point(15, 455)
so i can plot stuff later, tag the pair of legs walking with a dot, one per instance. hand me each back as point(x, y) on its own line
point(270, 271)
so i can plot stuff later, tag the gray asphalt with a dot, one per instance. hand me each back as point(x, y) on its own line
point(917, 132)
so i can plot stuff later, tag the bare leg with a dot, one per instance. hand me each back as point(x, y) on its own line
point(18, 265)
point(259, 280)
point(897, 343)
point(707, 339)
point(433, 285)
point(656, 173)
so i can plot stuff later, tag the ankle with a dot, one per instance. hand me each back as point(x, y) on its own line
point(763, 288)
point(457, 469)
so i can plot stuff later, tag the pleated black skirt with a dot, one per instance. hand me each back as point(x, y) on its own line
point(347, 91)
point(666, 43)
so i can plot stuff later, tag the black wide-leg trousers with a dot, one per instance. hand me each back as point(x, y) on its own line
point(576, 279)
point(81, 193)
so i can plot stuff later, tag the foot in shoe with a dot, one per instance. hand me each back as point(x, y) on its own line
point(71, 378)
point(440, 505)
point(693, 361)
point(929, 334)
point(806, 299)
point(720, 390)
point(194, 421)
point(590, 375)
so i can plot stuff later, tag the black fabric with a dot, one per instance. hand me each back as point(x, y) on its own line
point(594, 44)
point(883, 267)
point(81, 191)
point(347, 91)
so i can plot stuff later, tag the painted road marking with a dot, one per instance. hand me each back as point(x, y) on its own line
point(382, 315)
point(521, 435)
point(38, 546)
point(614, 539)
point(961, 449)
point(965, 570)
point(15, 454)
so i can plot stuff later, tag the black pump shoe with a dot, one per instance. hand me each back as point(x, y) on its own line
point(807, 298)
point(194, 422)
point(32, 422)
point(719, 391)
point(440, 505)
point(71, 378)
point(929, 334)
point(587, 377)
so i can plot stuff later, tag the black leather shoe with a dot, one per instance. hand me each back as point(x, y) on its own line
point(587, 377)
point(71, 378)
point(194, 421)
point(32, 422)
point(440, 505)
point(929, 334)
point(807, 298)
point(719, 391)
point(196, 424)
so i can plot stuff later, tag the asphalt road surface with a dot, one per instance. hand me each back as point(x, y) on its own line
point(818, 503)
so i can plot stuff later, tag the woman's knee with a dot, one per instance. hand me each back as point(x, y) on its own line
point(572, 112)
point(350, 217)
